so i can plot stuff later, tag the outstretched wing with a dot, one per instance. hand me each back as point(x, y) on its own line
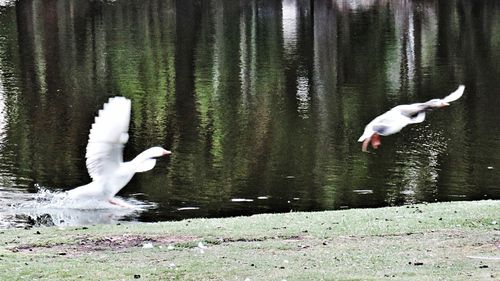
point(419, 118)
point(390, 123)
point(455, 95)
point(108, 135)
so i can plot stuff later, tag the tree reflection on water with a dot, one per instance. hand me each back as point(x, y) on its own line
point(255, 98)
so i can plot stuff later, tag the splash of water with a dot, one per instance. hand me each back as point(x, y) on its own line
point(54, 208)
point(45, 198)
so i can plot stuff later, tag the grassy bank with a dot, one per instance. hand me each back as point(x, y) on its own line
point(451, 241)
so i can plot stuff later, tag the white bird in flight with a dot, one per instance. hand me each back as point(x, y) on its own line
point(398, 117)
point(104, 155)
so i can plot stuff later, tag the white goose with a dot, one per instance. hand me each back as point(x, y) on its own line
point(104, 155)
point(398, 117)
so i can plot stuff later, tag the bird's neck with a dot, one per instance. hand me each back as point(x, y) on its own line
point(141, 163)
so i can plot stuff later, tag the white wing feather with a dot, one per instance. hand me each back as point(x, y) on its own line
point(108, 135)
point(390, 123)
point(455, 95)
point(398, 117)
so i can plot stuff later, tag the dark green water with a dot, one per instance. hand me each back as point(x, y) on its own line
point(258, 100)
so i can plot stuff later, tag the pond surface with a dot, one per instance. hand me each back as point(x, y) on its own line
point(261, 102)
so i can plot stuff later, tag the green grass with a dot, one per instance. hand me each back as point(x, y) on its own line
point(448, 241)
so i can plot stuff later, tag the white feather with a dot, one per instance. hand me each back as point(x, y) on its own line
point(455, 95)
point(398, 117)
point(104, 155)
point(107, 137)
